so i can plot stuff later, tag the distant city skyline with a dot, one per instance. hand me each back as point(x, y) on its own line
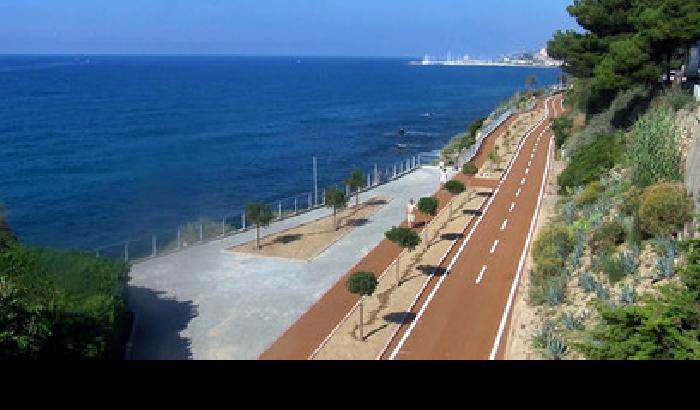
point(376, 28)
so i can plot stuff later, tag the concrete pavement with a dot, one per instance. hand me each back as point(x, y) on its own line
point(206, 303)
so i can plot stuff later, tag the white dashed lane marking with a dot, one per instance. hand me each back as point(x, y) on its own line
point(512, 206)
point(504, 225)
point(481, 274)
point(517, 194)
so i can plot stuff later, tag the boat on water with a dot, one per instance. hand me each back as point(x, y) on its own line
point(401, 146)
point(402, 132)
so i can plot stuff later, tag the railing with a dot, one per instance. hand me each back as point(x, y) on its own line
point(469, 154)
point(213, 228)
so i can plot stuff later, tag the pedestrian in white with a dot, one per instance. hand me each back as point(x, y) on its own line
point(443, 178)
point(411, 213)
point(442, 164)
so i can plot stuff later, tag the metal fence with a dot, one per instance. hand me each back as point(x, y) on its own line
point(469, 154)
point(212, 228)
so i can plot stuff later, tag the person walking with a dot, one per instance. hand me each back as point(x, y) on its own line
point(411, 213)
point(443, 178)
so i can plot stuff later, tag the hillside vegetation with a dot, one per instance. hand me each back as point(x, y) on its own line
point(614, 273)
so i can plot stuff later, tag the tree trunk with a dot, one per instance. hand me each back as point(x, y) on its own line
point(335, 223)
point(362, 336)
point(398, 260)
point(357, 198)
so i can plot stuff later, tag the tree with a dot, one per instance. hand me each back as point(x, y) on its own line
point(455, 187)
point(475, 125)
point(336, 199)
point(626, 42)
point(356, 182)
point(470, 169)
point(428, 206)
point(531, 80)
point(364, 284)
point(405, 238)
point(259, 214)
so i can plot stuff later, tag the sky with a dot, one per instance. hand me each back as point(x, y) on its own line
point(373, 28)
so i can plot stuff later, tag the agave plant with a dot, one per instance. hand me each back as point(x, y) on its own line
point(628, 262)
point(629, 295)
point(554, 296)
point(587, 282)
point(572, 322)
point(602, 293)
point(541, 338)
point(556, 348)
point(569, 212)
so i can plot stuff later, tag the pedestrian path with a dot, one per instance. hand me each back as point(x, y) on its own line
point(207, 303)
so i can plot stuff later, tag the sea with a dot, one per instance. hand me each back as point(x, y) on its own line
point(97, 150)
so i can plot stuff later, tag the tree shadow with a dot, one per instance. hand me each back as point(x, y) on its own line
point(473, 212)
point(286, 239)
point(432, 270)
point(159, 321)
point(357, 222)
point(451, 236)
point(400, 318)
point(373, 202)
point(484, 194)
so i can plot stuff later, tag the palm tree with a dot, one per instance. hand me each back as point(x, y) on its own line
point(356, 182)
point(260, 214)
point(362, 283)
point(336, 199)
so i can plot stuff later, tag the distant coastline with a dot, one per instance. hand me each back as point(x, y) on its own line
point(480, 64)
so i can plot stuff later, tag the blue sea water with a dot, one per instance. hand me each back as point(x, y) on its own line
point(97, 150)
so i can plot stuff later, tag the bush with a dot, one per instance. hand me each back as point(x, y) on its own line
point(653, 149)
point(82, 301)
point(562, 128)
point(589, 195)
point(455, 187)
point(428, 206)
point(613, 268)
point(591, 162)
point(470, 169)
point(608, 236)
point(552, 247)
point(664, 208)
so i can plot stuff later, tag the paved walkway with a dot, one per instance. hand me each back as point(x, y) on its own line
point(205, 303)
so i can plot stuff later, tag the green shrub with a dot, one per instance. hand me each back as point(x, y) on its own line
point(664, 326)
point(562, 128)
point(475, 125)
point(613, 268)
point(470, 169)
point(652, 151)
point(664, 208)
point(589, 195)
point(428, 206)
point(591, 162)
point(608, 236)
point(455, 187)
point(80, 299)
point(552, 247)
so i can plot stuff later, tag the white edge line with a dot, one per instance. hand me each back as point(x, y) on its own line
point(516, 280)
point(466, 241)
